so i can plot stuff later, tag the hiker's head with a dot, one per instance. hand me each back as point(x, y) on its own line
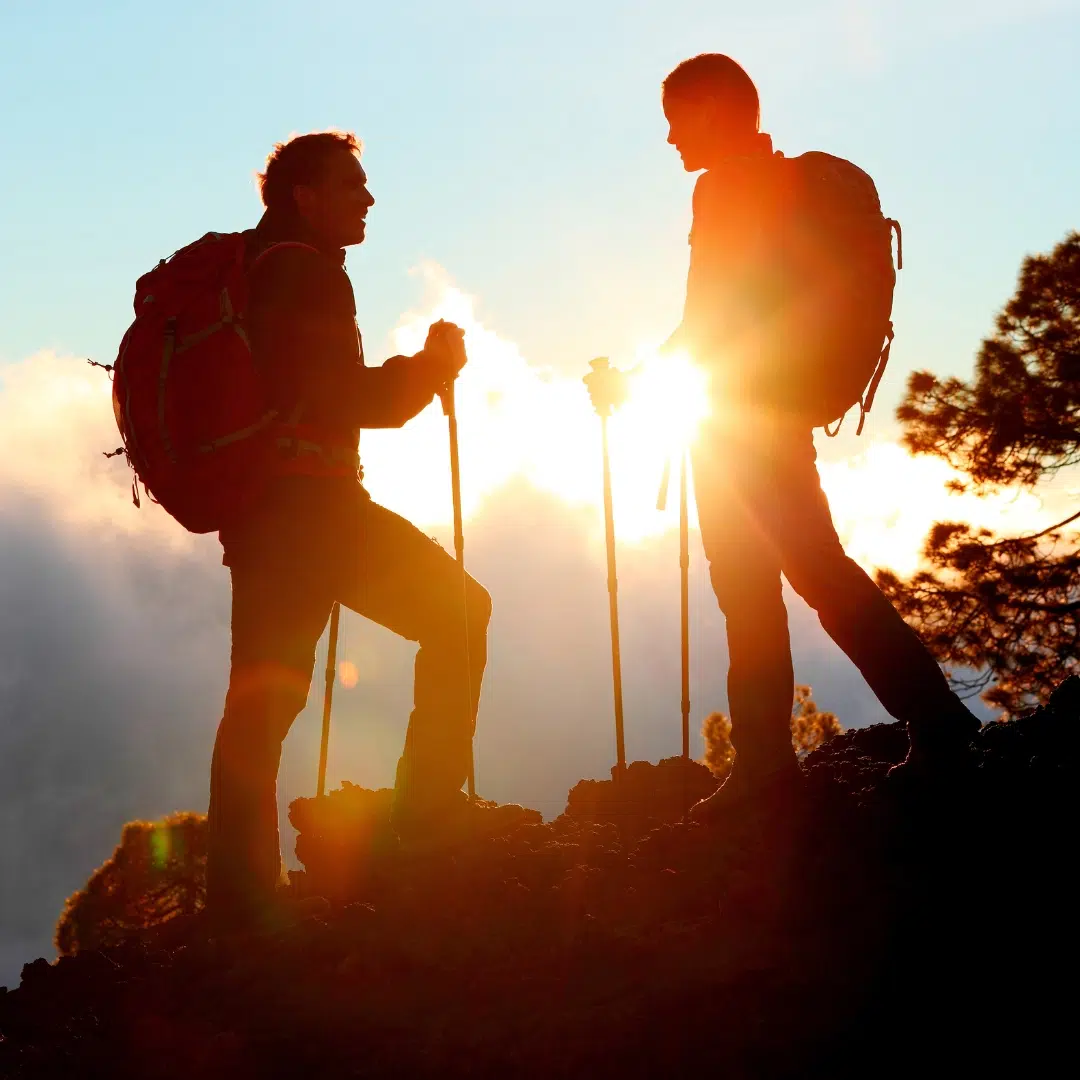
point(319, 177)
point(712, 110)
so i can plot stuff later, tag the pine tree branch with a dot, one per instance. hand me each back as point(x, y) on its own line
point(1033, 536)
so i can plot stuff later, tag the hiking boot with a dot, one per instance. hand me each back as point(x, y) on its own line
point(781, 784)
point(939, 749)
point(457, 820)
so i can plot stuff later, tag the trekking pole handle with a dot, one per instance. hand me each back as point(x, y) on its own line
point(598, 365)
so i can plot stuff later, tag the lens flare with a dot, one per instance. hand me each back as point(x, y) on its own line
point(160, 846)
point(669, 398)
point(348, 675)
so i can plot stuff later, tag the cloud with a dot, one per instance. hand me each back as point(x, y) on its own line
point(884, 502)
point(56, 425)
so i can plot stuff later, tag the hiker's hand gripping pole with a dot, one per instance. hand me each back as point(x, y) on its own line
point(446, 395)
point(605, 404)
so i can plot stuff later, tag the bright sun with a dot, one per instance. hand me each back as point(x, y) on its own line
point(668, 400)
point(520, 422)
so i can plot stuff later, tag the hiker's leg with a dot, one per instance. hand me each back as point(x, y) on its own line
point(745, 575)
point(405, 581)
point(277, 617)
point(853, 610)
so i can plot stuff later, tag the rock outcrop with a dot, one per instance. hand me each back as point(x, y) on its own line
point(874, 928)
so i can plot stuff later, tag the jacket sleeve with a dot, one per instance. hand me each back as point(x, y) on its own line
point(400, 388)
point(302, 327)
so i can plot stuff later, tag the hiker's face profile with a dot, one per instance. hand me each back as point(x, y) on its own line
point(701, 129)
point(336, 205)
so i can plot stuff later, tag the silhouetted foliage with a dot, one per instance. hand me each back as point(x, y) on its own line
point(810, 727)
point(157, 872)
point(719, 753)
point(1002, 612)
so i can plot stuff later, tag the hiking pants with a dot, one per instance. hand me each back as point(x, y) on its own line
point(387, 570)
point(763, 514)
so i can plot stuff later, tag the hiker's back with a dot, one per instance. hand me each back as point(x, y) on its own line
point(791, 280)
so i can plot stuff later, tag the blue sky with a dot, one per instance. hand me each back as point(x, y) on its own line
point(522, 151)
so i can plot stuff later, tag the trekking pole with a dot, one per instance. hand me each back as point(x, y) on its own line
point(328, 695)
point(684, 583)
point(684, 597)
point(604, 411)
point(447, 397)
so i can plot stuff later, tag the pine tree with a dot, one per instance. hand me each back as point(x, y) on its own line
point(810, 727)
point(1001, 613)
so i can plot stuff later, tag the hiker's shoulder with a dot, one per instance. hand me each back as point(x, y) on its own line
point(286, 268)
point(742, 178)
point(284, 241)
point(285, 258)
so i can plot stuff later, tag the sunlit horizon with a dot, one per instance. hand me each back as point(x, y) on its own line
point(519, 424)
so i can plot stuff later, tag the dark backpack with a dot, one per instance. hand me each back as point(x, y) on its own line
point(838, 248)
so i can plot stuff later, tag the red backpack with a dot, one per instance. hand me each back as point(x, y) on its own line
point(189, 402)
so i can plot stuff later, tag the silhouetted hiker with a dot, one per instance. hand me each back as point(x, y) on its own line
point(749, 319)
point(314, 536)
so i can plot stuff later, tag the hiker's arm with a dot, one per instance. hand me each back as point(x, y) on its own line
point(410, 382)
point(703, 316)
point(389, 395)
point(303, 335)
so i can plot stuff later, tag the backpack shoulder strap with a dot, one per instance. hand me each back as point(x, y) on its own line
point(279, 246)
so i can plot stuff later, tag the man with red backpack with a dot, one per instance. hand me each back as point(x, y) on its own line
point(240, 390)
point(788, 300)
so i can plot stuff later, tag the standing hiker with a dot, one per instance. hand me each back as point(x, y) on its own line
point(778, 320)
point(314, 536)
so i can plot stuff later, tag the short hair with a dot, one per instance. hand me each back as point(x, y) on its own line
point(300, 160)
point(719, 75)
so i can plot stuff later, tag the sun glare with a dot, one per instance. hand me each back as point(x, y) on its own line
point(518, 423)
point(668, 400)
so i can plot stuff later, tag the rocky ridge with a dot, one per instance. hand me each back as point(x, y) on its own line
point(878, 928)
